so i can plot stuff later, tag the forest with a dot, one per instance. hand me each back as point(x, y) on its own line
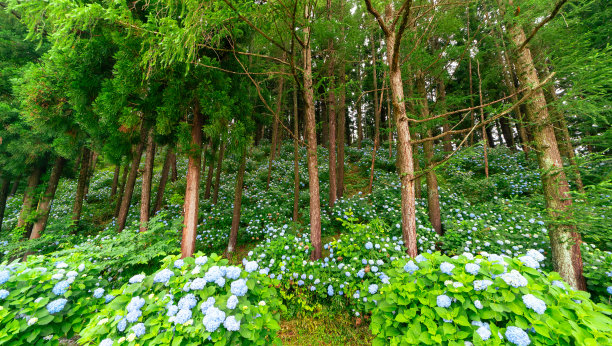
point(302, 172)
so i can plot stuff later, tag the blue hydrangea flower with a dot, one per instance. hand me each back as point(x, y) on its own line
point(108, 298)
point(210, 302)
point(369, 246)
point(481, 285)
point(122, 324)
point(213, 274)
point(3, 294)
point(484, 333)
point(232, 302)
point(61, 265)
point(198, 284)
point(561, 285)
point(420, 258)
point(106, 342)
point(182, 316)
point(220, 282)
point(201, 260)
point(410, 267)
point(514, 279)
point(133, 316)
point(187, 302)
point(231, 324)
point(137, 278)
point(609, 289)
point(300, 282)
point(330, 290)
point(56, 305)
point(472, 268)
point(447, 268)
point(233, 273)
point(172, 310)
point(373, 288)
point(251, 266)
point(163, 276)
point(361, 273)
point(478, 304)
point(443, 301)
point(213, 319)
point(139, 329)
point(179, 263)
point(98, 293)
point(61, 288)
point(356, 295)
point(536, 255)
point(517, 336)
point(72, 274)
point(135, 304)
point(535, 304)
point(530, 262)
point(239, 287)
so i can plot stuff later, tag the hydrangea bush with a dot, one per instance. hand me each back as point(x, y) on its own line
point(484, 299)
point(192, 301)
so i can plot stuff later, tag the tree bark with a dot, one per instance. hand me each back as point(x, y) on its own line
point(279, 103)
point(193, 186)
point(81, 185)
point(331, 107)
point(44, 207)
point(504, 123)
point(446, 140)
point(218, 173)
point(90, 171)
point(564, 240)
point(376, 108)
point(161, 188)
point(4, 191)
point(147, 181)
point(433, 199)
point(15, 186)
point(124, 175)
point(231, 246)
point(115, 183)
point(29, 199)
point(359, 120)
point(211, 168)
point(296, 156)
point(311, 136)
point(174, 176)
point(128, 191)
point(485, 138)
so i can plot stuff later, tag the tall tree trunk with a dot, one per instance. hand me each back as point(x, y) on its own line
point(147, 181)
point(359, 120)
point(564, 240)
point(174, 176)
point(115, 180)
point(218, 174)
point(90, 171)
point(311, 136)
point(128, 191)
point(279, 103)
point(124, 175)
point(340, 142)
point(44, 207)
point(446, 140)
point(485, 138)
point(376, 108)
point(29, 198)
point(433, 199)
point(296, 156)
point(15, 186)
point(467, 10)
point(161, 188)
point(211, 168)
point(504, 123)
point(331, 107)
point(193, 186)
point(390, 127)
point(237, 204)
point(81, 185)
point(4, 190)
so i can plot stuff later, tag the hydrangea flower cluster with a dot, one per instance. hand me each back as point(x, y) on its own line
point(163, 276)
point(56, 306)
point(517, 336)
point(514, 279)
point(443, 301)
point(535, 304)
point(239, 287)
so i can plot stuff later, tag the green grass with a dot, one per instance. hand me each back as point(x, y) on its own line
point(332, 329)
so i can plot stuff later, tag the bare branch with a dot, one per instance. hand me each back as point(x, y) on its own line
point(542, 23)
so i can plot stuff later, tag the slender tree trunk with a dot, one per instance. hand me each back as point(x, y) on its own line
point(433, 199)
point(504, 123)
point(15, 186)
point(218, 175)
point(359, 120)
point(237, 204)
point(279, 103)
point(377, 111)
point(482, 119)
point(564, 240)
point(90, 171)
point(331, 107)
point(4, 191)
point(29, 198)
point(340, 142)
point(161, 188)
point(147, 182)
point(467, 10)
point(81, 185)
point(128, 191)
point(296, 157)
point(446, 140)
point(390, 127)
point(193, 186)
point(311, 136)
point(44, 207)
point(115, 180)
point(376, 108)
point(126, 169)
point(211, 168)
point(174, 176)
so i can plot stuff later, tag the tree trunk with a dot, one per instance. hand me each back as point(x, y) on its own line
point(446, 140)
point(193, 186)
point(174, 169)
point(161, 188)
point(405, 159)
point(390, 127)
point(504, 123)
point(359, 120)
point(90, 171)
point(124, 175)
point(296, 157)
point(211, 167)
point(564, 241)
point(147, 182)
point(340, 142)
point(15, 186)
point(115, 180)
point(279, 103)
point(433, 199)
point(218, 174)
point(237, 204)
point(29, 198)
point(81, 185)
point(485, 138)
point(331, 107)
point(128, 191)
point(376, 108)
point(311, 136)
point(4, 190)
point(44, 207)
